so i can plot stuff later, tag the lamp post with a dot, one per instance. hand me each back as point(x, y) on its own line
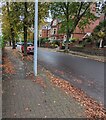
point(35, 37)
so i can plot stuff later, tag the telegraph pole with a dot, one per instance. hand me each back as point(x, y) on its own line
point(35, 37)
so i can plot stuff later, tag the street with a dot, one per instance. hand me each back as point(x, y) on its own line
point(84, 74)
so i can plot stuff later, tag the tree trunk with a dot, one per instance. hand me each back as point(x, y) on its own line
point(25, 41)
point(13, 41)
point(11, 28)
point(68, 32)
point(25, 30)
point(33, 38)
point(33, 30)
point(9, 41)
point(67, 41)
point(101, 43)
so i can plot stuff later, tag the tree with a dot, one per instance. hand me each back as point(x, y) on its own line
point(72, 14)
point(100, 30)
point(29, 18)
point(99, 33)
point(20, 18)
point(8, 23)
point(10, 20)
point(6, 28)
point(25, 28)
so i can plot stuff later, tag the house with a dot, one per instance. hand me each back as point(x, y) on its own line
point(79, 34)
point(44, 31)
point(53, 32)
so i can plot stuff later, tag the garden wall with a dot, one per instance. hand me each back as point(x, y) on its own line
point(90, 51)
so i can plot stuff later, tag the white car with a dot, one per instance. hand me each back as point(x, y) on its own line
point(19, 45)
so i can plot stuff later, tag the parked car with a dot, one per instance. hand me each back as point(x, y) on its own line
point(30, 48)
point(19, 45)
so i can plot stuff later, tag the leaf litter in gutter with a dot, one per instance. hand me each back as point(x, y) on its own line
point(93, 109)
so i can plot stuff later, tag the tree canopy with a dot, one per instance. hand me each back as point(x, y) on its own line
point(18, 16)
point(72, 14)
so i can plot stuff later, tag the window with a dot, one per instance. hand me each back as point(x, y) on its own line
point(54, 31)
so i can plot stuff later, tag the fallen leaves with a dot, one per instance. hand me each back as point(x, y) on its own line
point(16, 52)
point(30, 58)
point(8, 66)
point(30, 75)
point(93, 109)
point(39, 80)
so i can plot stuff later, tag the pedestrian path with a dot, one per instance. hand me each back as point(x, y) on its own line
point(25, 96)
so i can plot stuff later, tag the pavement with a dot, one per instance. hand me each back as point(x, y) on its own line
point(26, 96)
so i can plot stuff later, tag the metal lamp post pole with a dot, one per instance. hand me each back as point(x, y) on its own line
point(35, 37)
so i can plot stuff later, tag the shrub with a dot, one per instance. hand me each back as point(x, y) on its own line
point(44, 40)
point(72, 40)
point(57, 42)
point(56, 45)
point(88, 40)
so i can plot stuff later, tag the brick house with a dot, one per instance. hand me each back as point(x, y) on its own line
point(89, 28)
point(43, 32)
point(53, 32)
point(50, 31)
point(78, 33)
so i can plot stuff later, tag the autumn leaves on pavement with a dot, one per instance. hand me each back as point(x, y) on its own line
point(93, 109)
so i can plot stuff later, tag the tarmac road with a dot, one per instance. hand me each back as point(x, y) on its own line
point(85, 74)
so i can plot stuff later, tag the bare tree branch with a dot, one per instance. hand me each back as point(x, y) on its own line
point(77, 19)
point(80, 9)
point(85, 10)
point(63, 9)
